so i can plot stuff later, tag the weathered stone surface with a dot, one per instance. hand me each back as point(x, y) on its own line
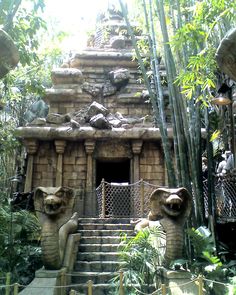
point(100, 122)
point(9, 55)
point(226, 54)
point(67, 76)
point(119, 77)
point(94, 109)
point(56, 118)
point(114, 121)
point(108, 89)
point(94, 90)
point(118, 42)
point(38, 122)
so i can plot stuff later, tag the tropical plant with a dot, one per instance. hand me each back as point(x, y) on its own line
point(205, 262)
point(19, 244)
point(139, 261)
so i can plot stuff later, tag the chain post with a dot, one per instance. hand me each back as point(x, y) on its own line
point(103, 199)
point(163, 289)
point(200, 285)
point(63, 282)
point(121, 288)
point(8, 282)
point(142, 197)
point(90, 287)
point(16, 289)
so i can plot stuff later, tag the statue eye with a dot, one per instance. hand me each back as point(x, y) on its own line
point(44, 194)
point(59, 194)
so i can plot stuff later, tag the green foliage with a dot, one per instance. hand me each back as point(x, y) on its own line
point(19, 249)
point(207, 263)
point(21, 20)
point(139, 260)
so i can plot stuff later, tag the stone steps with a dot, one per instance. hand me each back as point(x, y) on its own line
point(98, 258)
point(96, 266)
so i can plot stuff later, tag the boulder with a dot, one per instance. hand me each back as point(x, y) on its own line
point(54, 118)
point(94, 109)
point(119, 78)
point(100, 122)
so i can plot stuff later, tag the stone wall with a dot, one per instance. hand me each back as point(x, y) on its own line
point(152, 163)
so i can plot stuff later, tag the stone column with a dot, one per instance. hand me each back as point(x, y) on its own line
point(60, 148)
point(90, 205)
point(31, 148)
point(136, 149)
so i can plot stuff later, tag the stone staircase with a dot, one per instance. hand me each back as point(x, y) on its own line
point(97, 256)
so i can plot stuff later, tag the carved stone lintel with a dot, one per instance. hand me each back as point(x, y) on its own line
point(137, 146)
point(60, 146)
point(31, 146)
point(89, 146)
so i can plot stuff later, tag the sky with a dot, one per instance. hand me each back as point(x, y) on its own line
point(76, 17)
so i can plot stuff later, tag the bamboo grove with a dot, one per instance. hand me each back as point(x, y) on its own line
point(185, 34)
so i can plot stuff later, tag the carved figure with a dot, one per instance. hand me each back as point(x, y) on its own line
point(9, 55)
point(54, 207)
point(171, 207)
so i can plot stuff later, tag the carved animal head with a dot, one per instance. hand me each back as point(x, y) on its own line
point(173, 203)
point(53, 201)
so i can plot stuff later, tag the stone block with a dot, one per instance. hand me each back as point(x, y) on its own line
point(70, 176)
point(66, 76)
point(69, 160)
point(80, 161)
point(68, 168)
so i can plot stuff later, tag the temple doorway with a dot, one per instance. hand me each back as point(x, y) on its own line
point(115, 170)
point(118, 198)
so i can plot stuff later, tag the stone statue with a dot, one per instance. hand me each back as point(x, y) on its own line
point(54, 207)
point(9, 55)
point(170, 207)
point(226, 54)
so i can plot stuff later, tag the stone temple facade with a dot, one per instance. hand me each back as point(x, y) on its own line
point(99, 125)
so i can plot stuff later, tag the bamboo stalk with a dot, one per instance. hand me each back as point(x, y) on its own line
point(90, 287)
point(8, 282)
point(121, 288)
point(200, 285)
point(163, 289)
point(16, 289)
point(164, 135)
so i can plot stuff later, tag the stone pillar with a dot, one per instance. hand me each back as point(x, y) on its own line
point(179, 282)
point(31, 148)
point(60, 148)
point(136, 149)
point(90, 204)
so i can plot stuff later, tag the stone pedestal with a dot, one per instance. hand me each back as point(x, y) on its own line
point(46, 282)
point(179, 282)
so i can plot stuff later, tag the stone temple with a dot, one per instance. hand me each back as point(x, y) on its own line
point(100, 123)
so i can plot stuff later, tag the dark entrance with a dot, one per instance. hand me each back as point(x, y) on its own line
point(117, 173)
point(113, 171)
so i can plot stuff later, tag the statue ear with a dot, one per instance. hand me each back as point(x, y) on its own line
point(69, 196)
point(188, 199)
point(38, 198)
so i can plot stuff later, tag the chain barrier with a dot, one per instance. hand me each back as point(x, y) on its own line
point(90, 284)
point(225, 201)
point(123, 199)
